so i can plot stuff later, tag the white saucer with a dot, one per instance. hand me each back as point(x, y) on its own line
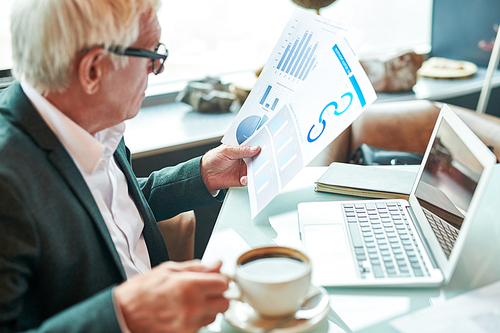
point(244, 317)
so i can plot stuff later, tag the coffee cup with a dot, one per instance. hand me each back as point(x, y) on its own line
point(273, 280)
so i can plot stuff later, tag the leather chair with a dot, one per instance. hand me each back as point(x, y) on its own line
point(404, 126)
point(179, 235)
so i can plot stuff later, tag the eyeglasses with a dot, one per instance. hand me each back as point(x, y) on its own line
point(158, 56)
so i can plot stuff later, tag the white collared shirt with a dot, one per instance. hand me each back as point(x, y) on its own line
point(93, 155)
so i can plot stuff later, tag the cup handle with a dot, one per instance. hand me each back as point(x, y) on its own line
point(233, 292)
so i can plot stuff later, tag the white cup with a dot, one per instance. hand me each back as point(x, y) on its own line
point(273, 280)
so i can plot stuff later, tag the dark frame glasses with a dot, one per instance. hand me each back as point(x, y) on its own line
point(158, 56)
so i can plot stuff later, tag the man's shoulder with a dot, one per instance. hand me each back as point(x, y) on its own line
point(9, 100)
point(19, 125)
point(11, 95)
point(18, 151)
point(19, 157)
point(11, 136)
point(6, 130)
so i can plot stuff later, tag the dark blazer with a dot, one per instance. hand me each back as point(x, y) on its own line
point(58, 263)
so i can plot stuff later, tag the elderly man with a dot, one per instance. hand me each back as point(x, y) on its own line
point(80, 250)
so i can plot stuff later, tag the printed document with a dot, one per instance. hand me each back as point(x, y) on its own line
point(318, 111)
point(302, 45)
point(309, 94)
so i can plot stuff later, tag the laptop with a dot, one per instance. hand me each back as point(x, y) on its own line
point(408, 243)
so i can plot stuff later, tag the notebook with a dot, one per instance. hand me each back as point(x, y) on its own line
point(395, 242)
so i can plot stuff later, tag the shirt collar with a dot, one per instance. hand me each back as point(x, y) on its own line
point(85, 149)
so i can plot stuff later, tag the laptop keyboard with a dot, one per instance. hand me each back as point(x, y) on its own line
point(383, 242)
point(445, 233)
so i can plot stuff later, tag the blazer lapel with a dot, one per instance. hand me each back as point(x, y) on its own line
point(60, 159)
point(154, 240)
point(29, 119)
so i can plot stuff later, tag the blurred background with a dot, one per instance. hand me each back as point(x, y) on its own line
point(218, 37)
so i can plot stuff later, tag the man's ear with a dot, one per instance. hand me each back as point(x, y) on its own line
point(90, 70)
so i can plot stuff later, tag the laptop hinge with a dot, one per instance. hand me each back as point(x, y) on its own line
point(424, 240)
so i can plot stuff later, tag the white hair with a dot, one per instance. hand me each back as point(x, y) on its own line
point(47, 35)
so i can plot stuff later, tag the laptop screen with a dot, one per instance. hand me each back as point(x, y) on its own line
point(447, 184)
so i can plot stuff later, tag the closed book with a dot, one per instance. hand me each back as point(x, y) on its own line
point(384, 182)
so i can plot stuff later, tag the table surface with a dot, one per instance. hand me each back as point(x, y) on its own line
point(361, 309)
point(172, 126)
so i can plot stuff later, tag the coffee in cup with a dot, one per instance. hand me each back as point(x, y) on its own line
point(273, 280)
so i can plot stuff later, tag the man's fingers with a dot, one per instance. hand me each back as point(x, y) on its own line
point(238, 152)
point(214, 286)
point(219, 305)
point(175, 297)
point(192, 266)
point(205, 284)
point(213, 304)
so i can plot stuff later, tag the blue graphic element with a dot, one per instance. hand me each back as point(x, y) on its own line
point(274, 104)
point(310, 67)
point(342, 60)
point(309, 139)
point(285, 158)
point(258, 162)
point(296, 74)
point(248, 126)
point(276, 124)
point(284, 55)
point(335, 112)
point(358, 91)
point(348, 71)
point(299, 60)
point(348, 94)
point(290, 54)
point(281, 142)
point(300, 55)
point(261, 181)
point(334, 104)
point(263, 99)
point(308, 64)
point(296, 53)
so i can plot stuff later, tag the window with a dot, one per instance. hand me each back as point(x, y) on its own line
point(5, 48)
point(217, 37)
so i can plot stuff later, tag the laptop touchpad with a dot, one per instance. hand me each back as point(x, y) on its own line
point(330, 251)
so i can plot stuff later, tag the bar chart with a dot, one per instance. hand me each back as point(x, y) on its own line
point(299, 57)
point(271, 96)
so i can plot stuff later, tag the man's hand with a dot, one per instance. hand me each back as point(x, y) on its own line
point(223, 166)
point(173, 297)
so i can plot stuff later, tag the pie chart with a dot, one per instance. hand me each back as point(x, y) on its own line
point(248, 126)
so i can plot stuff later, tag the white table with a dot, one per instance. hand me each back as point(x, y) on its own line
point(361, 309)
